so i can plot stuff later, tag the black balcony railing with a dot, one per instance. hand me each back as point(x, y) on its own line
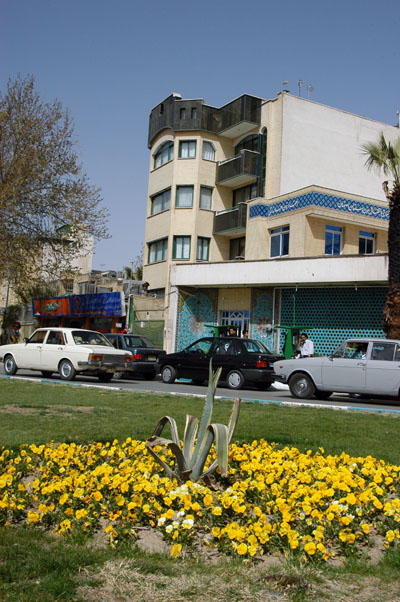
point(231, 219)
point(244, 164)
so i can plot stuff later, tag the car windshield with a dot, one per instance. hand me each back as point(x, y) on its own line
point(88, 337)
point(203, 345)
point(253, 346)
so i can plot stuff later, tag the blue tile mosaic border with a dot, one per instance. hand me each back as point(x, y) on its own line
point(318, 199)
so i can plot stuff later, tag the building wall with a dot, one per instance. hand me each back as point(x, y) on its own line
point(310, 143)
point(332, 314)
point(329, 315)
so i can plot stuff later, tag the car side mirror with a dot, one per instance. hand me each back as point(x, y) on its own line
point(26, 339)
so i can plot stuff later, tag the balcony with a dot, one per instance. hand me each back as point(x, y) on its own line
point(231, 221)
point(239, 116)
point(239, 170)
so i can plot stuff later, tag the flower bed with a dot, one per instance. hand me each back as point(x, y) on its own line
point(307, 505)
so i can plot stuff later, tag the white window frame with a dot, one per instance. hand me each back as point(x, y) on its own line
point(366, 237)
point(280, 233)
point(334, 231)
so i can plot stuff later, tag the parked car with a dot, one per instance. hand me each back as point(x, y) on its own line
point(68, 351)
point(368, 367)
point(242, 361)
point(145, 355)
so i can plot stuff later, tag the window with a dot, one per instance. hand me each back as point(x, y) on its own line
point(184, 197)
point(182, 113)
point(384, 352)
point(55, 338)
point(238, 318)
point(248, 143)
point(68, 287)
point(187, 149)
point(194, 113)
point(181, 247)
point(158, 250)
point(208, 151)
point(236, 247)
point(366, 243)
point(161, 202)
point(164, 154)
point(203, 248)
point(38, 336)
point(205, 197)
point(241, 195)
point(280, 241)
point(333, 240)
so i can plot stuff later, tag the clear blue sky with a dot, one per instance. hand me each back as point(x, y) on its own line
point(111, 61)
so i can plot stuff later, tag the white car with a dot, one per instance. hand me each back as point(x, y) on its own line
point(369, 367)
point(68, 351)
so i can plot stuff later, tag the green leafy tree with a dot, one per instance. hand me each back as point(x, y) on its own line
point(48, 209)
point(385, 156)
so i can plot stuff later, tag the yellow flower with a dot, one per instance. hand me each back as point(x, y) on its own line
point(365, 527)
point(33, 517)
point(310, 548)
point(176, 550)
point(242, 549)
point(207, 500)
point(63, 498)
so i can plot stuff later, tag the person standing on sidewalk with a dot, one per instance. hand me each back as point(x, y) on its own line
point(306, 347)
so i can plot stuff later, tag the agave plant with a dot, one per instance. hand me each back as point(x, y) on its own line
point(192, 456)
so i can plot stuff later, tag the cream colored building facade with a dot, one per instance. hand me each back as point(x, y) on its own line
point(242, 196)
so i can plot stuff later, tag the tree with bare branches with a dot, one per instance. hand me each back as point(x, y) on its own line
point(48, 209)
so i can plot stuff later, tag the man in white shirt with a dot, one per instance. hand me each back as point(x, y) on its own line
point(306, 347)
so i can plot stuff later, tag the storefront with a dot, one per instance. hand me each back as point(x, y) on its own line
point(104, 312)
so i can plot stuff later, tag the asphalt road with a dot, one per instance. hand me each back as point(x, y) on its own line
point(277, 394)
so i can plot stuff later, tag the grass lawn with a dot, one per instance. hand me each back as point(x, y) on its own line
point(35, 565)
point(41, 412)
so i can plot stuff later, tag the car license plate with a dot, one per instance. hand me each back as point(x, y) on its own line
point(151, 358)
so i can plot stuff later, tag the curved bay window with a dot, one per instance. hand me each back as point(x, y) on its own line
point(164, 154)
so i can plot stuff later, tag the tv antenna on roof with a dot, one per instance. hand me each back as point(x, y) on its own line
point(300, 83)
point(310, 88)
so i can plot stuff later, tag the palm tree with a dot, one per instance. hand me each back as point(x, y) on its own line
point(385, 156)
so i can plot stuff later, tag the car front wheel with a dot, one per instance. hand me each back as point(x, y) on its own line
point(10, 367)
point(168, 374)
point(301, 386)
point(235, 379)
point(66, 370)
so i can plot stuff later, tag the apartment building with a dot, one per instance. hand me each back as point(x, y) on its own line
point(262, 213)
